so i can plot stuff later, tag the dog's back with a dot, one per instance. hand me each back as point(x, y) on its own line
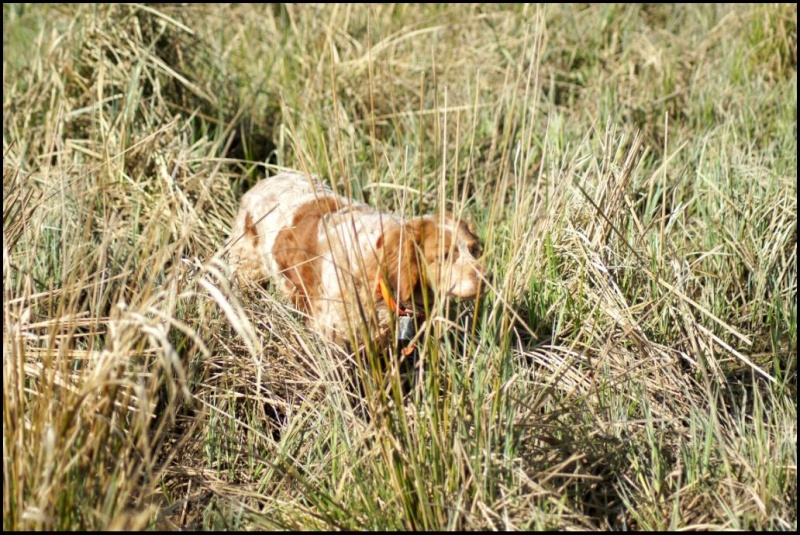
point(266, 208)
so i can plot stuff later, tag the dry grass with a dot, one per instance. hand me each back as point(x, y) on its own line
point(633, 174)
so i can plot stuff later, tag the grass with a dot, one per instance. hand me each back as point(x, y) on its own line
point(632, 171)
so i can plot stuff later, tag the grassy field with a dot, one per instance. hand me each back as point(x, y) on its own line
point(632, 171)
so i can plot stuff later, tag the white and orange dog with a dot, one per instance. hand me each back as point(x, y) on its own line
point(342, 262)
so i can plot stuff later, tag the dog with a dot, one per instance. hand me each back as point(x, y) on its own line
point(345, 264)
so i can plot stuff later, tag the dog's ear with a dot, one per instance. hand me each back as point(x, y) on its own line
point(398, 259)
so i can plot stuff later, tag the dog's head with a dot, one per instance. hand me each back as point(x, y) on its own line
point(431, 253)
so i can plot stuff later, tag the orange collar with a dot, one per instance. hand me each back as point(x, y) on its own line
point(400, 311)
point(387, 297)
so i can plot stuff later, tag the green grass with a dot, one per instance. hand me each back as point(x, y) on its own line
point(632, 171)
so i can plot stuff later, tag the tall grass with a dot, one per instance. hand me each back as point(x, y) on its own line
point(632, 171)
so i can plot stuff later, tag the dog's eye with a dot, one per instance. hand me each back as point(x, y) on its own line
point(450, 255)
point(475, 250)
